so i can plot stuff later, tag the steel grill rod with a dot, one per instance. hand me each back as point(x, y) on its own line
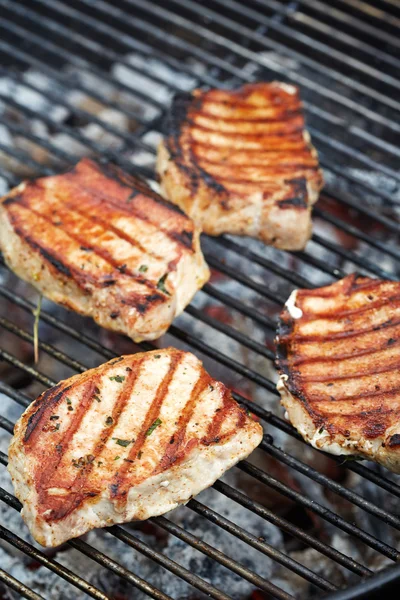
point(19, 587)
point(51, 564)
point(291, 34)
point(239, 29)
point(299, 17)
point(153, 77)
point(352, 21)
point(371, 10)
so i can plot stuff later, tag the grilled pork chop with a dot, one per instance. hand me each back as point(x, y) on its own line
point(338, 352)
point(128, 440)
point(105, 245)
point(241, 162)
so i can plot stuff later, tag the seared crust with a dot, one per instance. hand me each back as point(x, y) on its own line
point(338, 352)
point(241, 162)
point(102, 243)
point(128, 440)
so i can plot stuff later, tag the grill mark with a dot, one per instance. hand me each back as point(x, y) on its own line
point(279, 150)
point(101, 253)
point(337, 335)
point(76, 496)
point(46, 401)
point(81, 279)
point(130, 210)
point(284, 117)
point(347, 286)
point(215, 426)
point(297, 359)
point(292, 203)
point(258, 136)
point(336, 315)
point(274, 163)
point(109, 227)
point(119, 483)
point(362, 373)
point(174, 452)
point(127, 180)
point(52, 462)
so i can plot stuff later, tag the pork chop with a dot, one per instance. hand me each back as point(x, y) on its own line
point(102, 243)
point(338, 353)
point(241, 162)
point(129, 440)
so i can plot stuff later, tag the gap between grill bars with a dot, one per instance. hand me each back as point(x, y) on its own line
point(223, 36)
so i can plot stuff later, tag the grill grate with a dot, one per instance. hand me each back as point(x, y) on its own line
point(345, 58)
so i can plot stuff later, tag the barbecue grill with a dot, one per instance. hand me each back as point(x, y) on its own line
point(93, 77)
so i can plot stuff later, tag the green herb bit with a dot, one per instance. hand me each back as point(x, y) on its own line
point(97, 398)
point(118, 378)
point(123, 443)
point(56, 427)
point(70, 408)
point(139, 454)
point(143, 268)
point(109, 421)
point(157, 356)
point(96, 390)
point(128, 460)
point(36, 314)
point(68, 400)
point(321, 429)
point(99, 463)
point(54, 417)
point(211, 387)
point(161, 284)
point(150, 430)
point(128, 369)
point(117, 457)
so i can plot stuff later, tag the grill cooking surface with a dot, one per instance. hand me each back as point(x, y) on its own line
point(90, 77)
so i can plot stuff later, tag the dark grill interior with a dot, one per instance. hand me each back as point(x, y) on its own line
point(92, 77)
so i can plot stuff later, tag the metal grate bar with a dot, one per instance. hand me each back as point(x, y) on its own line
point(19, 587)
point(313, 474)
point(317, 46)
point(352, 21)
point(320, 510)
point(263, 41)
point(267, 514)
point(298, 17)
point(51, 564)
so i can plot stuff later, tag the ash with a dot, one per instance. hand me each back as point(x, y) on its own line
point(72, 112)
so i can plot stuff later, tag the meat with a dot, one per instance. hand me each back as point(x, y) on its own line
point(338, 352)
point(128, 440)
point(241, 162)
point(102, 243)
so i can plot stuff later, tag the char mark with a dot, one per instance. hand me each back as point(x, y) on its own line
point(137, 184)
point(394, 441)
point(47, 255)
point(153, 412)
point(185, 238)
point(298, 202)
point(48, 398)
